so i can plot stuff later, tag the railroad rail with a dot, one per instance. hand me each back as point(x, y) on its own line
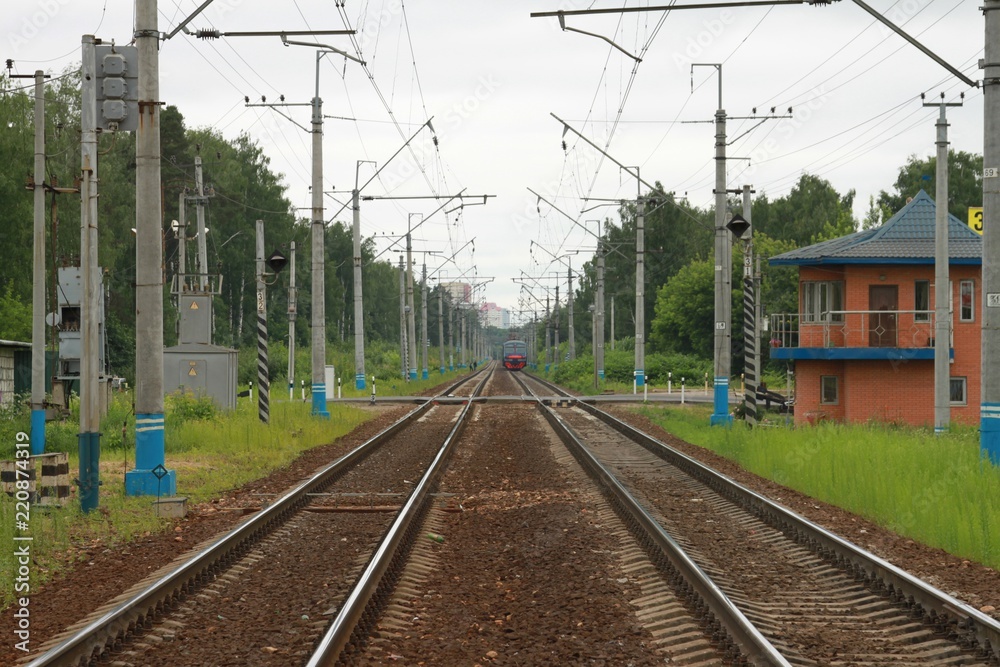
point(359, 612)
point(98, 638)
point(976, 633)
point(723, 620)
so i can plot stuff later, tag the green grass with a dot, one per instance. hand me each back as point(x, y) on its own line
point(394, 385)
point(211, 451)
point(935, 490)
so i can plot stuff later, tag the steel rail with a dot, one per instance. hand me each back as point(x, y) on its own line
point(115, 625)
point(724, 618)
point(953, 616)
point(388, 555)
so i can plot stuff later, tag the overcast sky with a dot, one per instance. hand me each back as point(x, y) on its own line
point(490, 76)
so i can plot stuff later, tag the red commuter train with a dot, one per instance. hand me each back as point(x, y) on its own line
point(515, 354)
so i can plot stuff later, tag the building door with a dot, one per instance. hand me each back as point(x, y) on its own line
point(882, 326)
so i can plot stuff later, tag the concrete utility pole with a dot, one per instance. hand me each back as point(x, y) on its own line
point(640, 290)
point(90, 415)
point(441, 325)
point(990, 410)
point(318, 318)
point(465, 338)
point(723, 272)
point(199, 184)
point(149, 476)
point(181, 234)
point(359, 311)
point(38, 277)
point(599, 344)
point(411, 319)
point(612, 320)
point(291, 325)
point(402, 319)
point(548, 335)
point(451, 337)
point(423, 319)
point(555, 317)
point(942, 279)
point(263, 377)
point(318, 296)
point(569, 308)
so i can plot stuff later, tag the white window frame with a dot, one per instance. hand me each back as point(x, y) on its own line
point(836, 389)
point(972, 301)
point(818, 297)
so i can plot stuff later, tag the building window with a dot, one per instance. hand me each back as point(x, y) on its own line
point(829, 390)
point(967, 300)
point(819, 298)
point(922, 300)
point(957, 391)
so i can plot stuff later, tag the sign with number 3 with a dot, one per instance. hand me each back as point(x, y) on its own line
point(976, 219)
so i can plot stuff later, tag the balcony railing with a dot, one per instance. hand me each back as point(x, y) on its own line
point(854, 328)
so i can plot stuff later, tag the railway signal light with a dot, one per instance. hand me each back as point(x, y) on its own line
point(277, 261)
point(739, 226)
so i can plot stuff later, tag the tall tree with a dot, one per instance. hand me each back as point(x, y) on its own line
point(965, 185)
point(812, 211)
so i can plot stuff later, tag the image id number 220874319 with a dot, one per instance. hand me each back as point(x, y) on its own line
point(22, 542)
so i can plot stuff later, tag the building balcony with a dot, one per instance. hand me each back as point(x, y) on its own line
point(892, 335)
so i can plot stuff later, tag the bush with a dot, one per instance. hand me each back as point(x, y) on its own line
point(680, 365)
point(188, 407)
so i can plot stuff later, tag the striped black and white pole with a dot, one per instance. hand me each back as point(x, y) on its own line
point(749, 342)
point(750, 370)
point(263, 381)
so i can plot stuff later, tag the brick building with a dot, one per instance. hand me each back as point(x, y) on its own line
point(863, 339)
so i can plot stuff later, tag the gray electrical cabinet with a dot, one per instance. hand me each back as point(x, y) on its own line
point(195, 318)
point(202, 370)
point(68, 320)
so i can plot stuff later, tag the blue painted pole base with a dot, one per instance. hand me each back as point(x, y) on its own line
point(413, 374)
point(319, 401)
point(150, 477)
point(359, 381)
point(989, 432)
point(546, 368)
point(37, 432)
point(721, 416)
point(90, 471)
point(146, 482)
point(600, 373)
point(640, 377)
point(442, 370)
point(423, 374)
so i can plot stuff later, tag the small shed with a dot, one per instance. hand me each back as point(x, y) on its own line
point(12, 356)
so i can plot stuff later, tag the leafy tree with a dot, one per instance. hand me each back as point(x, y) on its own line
point(17, 152)
point(15, 316)
point(685, 306)
point(812, 211)
point(965, 185)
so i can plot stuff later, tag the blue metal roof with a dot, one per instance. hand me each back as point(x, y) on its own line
point(906, 238)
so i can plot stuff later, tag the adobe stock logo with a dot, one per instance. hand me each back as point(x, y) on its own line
point(34, 23)
point(695, 46)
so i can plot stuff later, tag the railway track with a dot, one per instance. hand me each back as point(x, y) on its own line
point(818, 599)
point(465, 533)
point(301, 550)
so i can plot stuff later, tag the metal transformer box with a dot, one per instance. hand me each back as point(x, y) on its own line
point(203, 370)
